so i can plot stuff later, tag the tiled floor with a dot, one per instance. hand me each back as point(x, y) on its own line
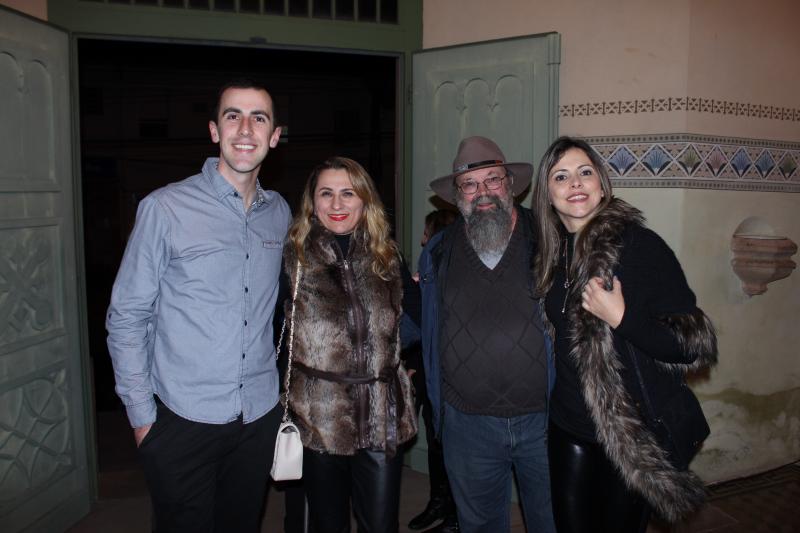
point(766, 503)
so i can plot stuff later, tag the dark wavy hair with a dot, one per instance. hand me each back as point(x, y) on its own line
point(550, 229)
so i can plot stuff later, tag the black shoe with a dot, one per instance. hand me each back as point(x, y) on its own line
point(448, 525)
point(433, 511)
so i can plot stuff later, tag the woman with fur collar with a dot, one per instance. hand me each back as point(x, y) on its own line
point(348, 393)
point(623, 423)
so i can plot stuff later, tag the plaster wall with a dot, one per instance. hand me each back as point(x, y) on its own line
point(611, 50)
point(745, 52)
point(628, 54)
point(752, 397)
point(34, 8)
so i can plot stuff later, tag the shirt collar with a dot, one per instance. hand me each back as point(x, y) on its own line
point(217, 181)
point(221, 186)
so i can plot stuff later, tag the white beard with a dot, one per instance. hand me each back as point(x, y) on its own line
point(488, 231)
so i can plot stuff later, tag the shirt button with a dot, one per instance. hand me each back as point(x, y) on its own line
point(236, 194)
point(240, 385)
point(245, 322)
point(242, 356)
point(246, 289)
point(247, 256)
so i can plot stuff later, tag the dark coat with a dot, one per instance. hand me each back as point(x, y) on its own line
point(348, 390)
point(433, 265)
point(646, 418)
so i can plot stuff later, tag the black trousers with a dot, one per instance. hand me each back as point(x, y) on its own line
point(208, 477)
point(368, 478)
point(437, 475)
point(589, 496)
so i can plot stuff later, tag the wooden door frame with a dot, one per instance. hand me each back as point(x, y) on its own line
point(115, 21)
point(401, 186)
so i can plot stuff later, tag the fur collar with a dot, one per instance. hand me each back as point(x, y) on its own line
point(628, 442)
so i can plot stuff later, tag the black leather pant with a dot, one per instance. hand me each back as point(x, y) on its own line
point(588, 494)
point(368, 478)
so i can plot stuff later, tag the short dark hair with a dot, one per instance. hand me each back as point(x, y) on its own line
point(436, 221)
point(241, 83)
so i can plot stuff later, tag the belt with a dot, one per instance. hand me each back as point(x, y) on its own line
point(395, 405)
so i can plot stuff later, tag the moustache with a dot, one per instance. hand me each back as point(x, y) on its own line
point(486, 199)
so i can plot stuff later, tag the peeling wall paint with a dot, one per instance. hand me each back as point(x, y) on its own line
point(750, 433)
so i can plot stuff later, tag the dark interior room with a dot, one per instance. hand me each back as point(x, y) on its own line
point(144, 112)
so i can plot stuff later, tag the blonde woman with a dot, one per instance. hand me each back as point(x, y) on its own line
point(349, 395)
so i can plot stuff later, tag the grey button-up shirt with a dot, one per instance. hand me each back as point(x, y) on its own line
point(191, 310)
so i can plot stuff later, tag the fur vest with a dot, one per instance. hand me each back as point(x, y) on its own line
point(629, 434)
point(348, 390)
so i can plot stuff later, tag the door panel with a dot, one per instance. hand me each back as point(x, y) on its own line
point(43, 453)
point(506, 90)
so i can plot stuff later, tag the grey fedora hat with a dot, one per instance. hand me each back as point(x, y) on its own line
point(480, 152)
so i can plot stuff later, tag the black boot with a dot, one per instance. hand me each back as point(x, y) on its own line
point(433, 511)
point(448, 525)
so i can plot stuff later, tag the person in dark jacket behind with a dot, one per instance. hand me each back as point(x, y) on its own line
point(440, 505)
point(348, 394)
point(488, 361)
point(623, 423)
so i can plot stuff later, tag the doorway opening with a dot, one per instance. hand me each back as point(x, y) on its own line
point(144, 111)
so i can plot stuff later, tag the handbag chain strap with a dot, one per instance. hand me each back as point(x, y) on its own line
point(288, 378)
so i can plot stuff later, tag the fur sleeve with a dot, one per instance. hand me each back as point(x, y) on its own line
point(696, 335)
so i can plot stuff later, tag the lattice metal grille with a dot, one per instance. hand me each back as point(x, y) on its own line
point(380, 11)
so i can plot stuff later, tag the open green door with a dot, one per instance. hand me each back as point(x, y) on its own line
point(43, 453)
point(506, 90)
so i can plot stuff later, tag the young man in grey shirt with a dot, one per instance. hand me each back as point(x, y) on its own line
point(190, 327)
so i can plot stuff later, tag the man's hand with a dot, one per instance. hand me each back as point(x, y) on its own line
point(140, 433)
point(608, 306)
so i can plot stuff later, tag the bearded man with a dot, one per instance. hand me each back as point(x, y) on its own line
point(488, 360)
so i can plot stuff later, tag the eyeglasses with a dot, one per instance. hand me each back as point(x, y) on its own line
point(491, 184)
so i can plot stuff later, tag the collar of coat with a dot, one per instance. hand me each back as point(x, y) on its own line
point(628, 442)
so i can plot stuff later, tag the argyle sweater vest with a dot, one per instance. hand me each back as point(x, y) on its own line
point(492, 342)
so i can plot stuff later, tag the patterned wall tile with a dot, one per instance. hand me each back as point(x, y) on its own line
point(679, 104)
point(699, 161)
point(611, 108)
point(628, 106)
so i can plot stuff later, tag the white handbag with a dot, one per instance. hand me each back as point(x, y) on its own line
point(287, 462)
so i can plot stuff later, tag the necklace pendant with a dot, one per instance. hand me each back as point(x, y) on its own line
point(567, 283)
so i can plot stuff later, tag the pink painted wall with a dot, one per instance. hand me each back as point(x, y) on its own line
point(735, 51)
point(745, 52)
point(34, 8)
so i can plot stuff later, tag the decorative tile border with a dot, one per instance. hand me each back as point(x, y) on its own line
point(700, 162)
point(684, 103)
